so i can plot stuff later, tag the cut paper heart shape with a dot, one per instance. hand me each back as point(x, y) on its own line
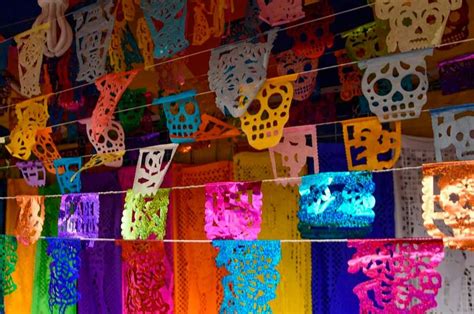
point(349, 76)
point(312, 39)
point(289, 63)
point(370, 146)
point(252, 277)
point(336, 205)
point(294, 151)
point(268, 113)
point(278, 12)
point(94, 25)
point(33, 172)
point(145, 43)
point(30, 45)
point(79, 216)
point(415, 24)
point(152, 168)
point(407, 76)
point(366, 41)
point(8, 260)
point(233, 210)
point(145, 278)
point(65, 174)
point(111, 88)
point(64, 269)
point(456, 74)
point(110, 140)
point(166, 21)
point(454, 127)
point(30, 218)
point(182, 115)
point(237, 72)
point(213, 129)
point(145, 217)
point(45, 149)
point(100, 160)
point(402, 276)
point(448, 195)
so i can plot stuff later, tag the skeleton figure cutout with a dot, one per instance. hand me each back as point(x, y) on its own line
point(112, 140)
point(33, 172)
point(407, 76)
point(237, 72)
point(278, 12)
point(366, 41)
point(415, 24)
point(182, 115)
point(312, 39)
point(457, 27)
point(369, 146)
point(266, 117)
point(94, 25)
point(166, 20)
point(289, 63)
point(151, 168)
point(448, 214)
point(294, 152)
point(454, 126)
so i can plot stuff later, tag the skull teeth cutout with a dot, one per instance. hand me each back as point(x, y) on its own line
point(415, 24)
point(366, 41)
point(396, 86)
point(448, 214)
point(454, 127)
point(289, 63)
point(33, 172)
point(266, 117)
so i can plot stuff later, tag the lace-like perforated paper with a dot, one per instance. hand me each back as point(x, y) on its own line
point(30, 45)
point(79, 216)
point(183, 116)
point(30, 219)
point(110, 140)
point(33, 172)
point(457, 27)
point(144, 41)
point(289, 63)
point(454, 128)
point(198, 285)
point(252, 276)
point(278, 12)
point(130, 49)
point(45, 149)
point(237, 72)
point(264, 120)
point(111, 88)
point(116, 55)
point(369, 146)
point(144, 217)
point(312, 39)
point(349, 76)
point(104, 159)
point(415, 24)
point(131, 98)
point(64, 269)
point(366, 41)
point(65, 170)
point(145, 289)
point(94, 25)
point(151, 169)
point(166, 21)
point(403, 100)
point(293, 152)
point(233, 210)
point(32, 114)
point(336, 205)
point(8, 259)
point(456, 74)
point(402, 276)
point(448, 195)
point(456, 294)
point(213, 129)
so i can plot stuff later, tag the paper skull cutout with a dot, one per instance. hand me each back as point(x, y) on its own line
point(33, 172)
point(266, 117)
point(278, 12)
point(415, 24)
point(294, 151)
point(312, 39)
point(45, 149)
point(237, 72)
point(289, 63)
point(451, 207)
point(408, 78)
point(454, 126)
point(349, 76)
point(366, 41)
